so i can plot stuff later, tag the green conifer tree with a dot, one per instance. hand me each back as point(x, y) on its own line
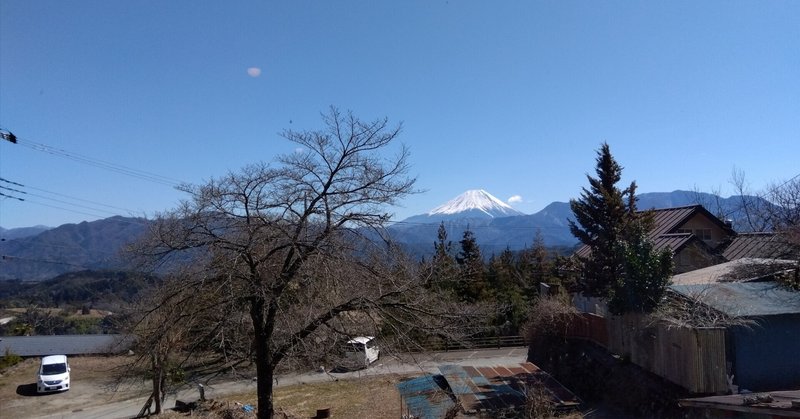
point(601, 220)
point(470, 262)
point(445, 271)
point(623, 265)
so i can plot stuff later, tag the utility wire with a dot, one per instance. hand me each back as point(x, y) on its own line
point(102, 164)
point(74, 198)
point(61, 208)
point(11, 197)
point(7, 258)
point(92, 208)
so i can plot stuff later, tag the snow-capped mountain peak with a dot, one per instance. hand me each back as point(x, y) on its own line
point(476, 200)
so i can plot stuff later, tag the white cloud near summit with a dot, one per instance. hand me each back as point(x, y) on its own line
point(514, 199)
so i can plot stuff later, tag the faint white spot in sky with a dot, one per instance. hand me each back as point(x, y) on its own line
point(254, 71)
point(514, 199)
point(299, 150)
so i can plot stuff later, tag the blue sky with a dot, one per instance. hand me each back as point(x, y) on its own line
point(511, 97)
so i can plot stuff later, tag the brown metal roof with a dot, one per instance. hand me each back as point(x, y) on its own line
point(674, 242)
point(666, 221)
point(758, 245)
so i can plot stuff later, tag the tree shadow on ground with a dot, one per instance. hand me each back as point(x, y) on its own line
point(342, 369)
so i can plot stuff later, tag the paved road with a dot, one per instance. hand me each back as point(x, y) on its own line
point(410, 363)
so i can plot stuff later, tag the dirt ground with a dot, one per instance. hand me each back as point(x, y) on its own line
point(92, 384)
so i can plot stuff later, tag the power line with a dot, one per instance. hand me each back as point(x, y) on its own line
point(61, 208)
point(8, 258)
point(77, 199)
point(91, 161)
point(91, 208)
point(11, 197)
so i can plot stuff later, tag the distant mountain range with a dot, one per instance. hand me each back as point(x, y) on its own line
point(93, 245)
point(483, 214)
point(39, 253)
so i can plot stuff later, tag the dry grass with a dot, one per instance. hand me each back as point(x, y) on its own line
point(54, 311)
point(374, 397)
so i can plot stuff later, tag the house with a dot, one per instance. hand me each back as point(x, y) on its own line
point(762, 347)
point(695, 236)
point(731, 276)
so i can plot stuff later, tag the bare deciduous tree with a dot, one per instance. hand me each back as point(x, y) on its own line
point(694, 310)
point(284, 243)
point(785, 214)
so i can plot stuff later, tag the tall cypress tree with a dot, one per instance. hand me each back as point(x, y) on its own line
point(444, 265)
point(602, 221)
point(470, 262)
point(624, 265)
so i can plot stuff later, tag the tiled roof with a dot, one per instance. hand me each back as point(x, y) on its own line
point(744, 299)
point(64, 344)
point(758, 245)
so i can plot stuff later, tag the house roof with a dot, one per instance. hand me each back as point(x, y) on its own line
point(744, 299)
point(758, 245)
point(674, 241)
point(739, 270)
point(480, 389)
point(361, 339)
point(666, 221)
point(778, 404)
point(64, 344)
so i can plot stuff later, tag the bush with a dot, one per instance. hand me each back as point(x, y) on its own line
point(9, 360)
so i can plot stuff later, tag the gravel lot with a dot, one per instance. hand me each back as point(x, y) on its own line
point(92, 384)
point(92, 394)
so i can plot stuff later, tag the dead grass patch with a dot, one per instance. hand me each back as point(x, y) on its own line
point(372, 397)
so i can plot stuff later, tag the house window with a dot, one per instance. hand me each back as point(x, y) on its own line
point(703, 233)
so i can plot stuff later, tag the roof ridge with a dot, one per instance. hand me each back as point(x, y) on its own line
point(673, 208)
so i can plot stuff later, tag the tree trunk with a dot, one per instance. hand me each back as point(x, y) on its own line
point(157, 383)
point(266, 409)
point(264, 368)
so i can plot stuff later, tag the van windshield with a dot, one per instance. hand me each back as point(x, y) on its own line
point(52, 369)
point(355, 347)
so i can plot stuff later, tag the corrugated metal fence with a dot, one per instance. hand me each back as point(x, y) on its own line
point(494, 342)
point(693, 358)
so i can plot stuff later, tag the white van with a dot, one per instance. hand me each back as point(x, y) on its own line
point(362, 351)
point(53, 374)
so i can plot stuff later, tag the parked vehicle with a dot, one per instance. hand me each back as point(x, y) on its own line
point(53, 374)
point(362, 351)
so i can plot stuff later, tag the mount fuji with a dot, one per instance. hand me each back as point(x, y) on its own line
point(476, 204)
point(496, 225)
